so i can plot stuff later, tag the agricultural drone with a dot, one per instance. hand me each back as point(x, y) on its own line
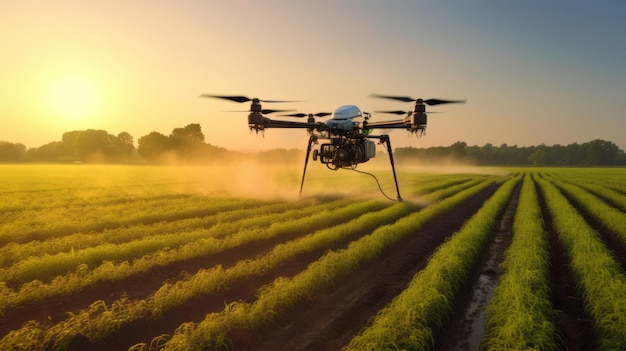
point(348, 141)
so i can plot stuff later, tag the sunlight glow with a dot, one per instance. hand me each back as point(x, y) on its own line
point(74, 97)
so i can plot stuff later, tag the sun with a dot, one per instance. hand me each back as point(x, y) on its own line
point(74, 97)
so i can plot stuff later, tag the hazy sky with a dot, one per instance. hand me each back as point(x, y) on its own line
point(533, 72)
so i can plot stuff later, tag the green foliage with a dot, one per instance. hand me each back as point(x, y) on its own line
point(278, 297)
point(66, 227)
point(408, 322)
point(519, 316)
point(598, 276)
point(593, 153)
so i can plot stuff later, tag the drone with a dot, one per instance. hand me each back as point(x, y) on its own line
point(347, 136)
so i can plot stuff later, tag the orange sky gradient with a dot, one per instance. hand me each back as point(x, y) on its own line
point(532, 72)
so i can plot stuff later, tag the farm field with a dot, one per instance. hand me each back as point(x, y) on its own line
point(96, 257)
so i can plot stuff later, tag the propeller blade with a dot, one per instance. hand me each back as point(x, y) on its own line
point(301, 115)
point(432, 102)
point(399, 98)
point(264, 111)
point(279, 101)
point(239, 99)
point(395, 112)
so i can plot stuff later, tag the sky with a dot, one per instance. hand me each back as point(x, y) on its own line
point(533, 72)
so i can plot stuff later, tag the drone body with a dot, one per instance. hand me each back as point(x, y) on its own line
point(348, 141)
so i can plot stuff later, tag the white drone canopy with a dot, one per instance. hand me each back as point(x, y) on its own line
point(347, 112)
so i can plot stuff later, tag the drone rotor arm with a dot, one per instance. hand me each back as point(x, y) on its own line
point(265, 123)
point(397, 123)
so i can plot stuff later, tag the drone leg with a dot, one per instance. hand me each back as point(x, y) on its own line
point(385, 139)
point(306, 160)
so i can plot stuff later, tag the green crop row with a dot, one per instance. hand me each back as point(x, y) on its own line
point(45, 267)
point(409, 320)
point(444, 192)
point(601, 281)
point(278, 297)
point(609, 217)
point(612, 178)
point(439, 182)
point(597, 186)
point(108, 271)
point(520, 315)
point(611, 196)
point(41, 225)
point(100, 320)
point(14, 252)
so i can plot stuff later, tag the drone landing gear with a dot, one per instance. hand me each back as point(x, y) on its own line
point(312, 139)
point(384, 139)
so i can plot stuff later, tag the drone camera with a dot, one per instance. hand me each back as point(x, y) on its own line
point(345, 153)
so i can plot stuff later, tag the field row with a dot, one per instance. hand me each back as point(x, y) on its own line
point(317, 273)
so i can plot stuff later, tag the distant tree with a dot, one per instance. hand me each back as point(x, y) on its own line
point(192, 133)
point(123, 145)
point(188, 142)
point(153, 146)
point(458, 149)
point(51, 152)
point(600, 152)
point(93, 144)
point(10, 152)
point(538, 157)
point(596, 152)
point(70, 137)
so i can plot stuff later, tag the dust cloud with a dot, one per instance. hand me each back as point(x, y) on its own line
point(276, 175)
point(262, 176)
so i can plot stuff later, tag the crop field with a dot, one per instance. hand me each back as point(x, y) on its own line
point(97, 257)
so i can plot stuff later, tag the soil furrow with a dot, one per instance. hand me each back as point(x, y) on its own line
point(574, 328)
point(331, 320)
point(465, 328)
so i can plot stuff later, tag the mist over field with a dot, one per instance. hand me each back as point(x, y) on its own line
point(274, 179)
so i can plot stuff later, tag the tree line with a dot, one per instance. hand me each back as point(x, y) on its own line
point(593, 153)
point(184, 144)
point(187, 145)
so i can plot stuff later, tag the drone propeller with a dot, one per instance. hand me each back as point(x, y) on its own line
point(265, 111)
point(430, 102)
point(395, 112)
point(240, 99)
point(301, 115)
point(401, 112)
